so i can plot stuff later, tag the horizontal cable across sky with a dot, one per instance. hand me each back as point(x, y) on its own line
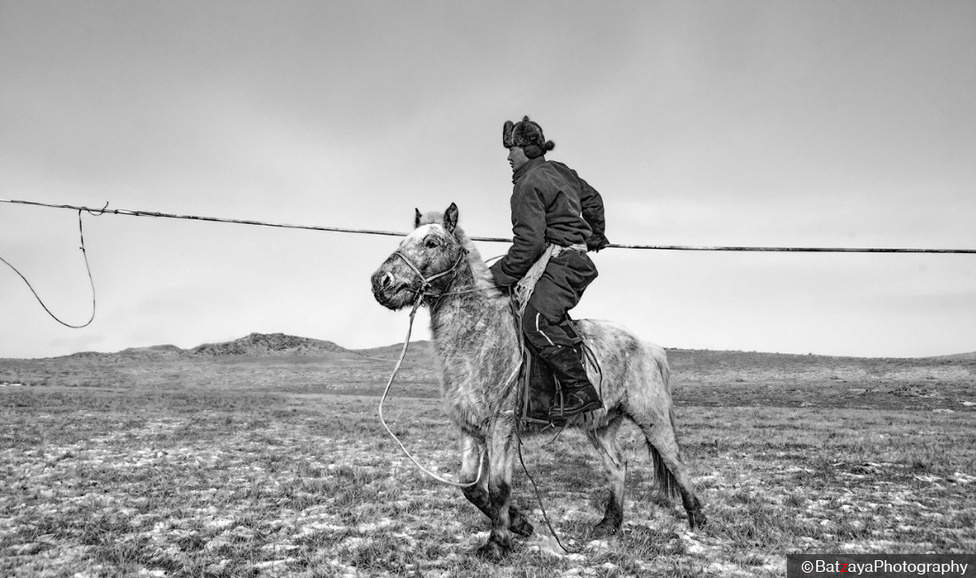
point(141, 213)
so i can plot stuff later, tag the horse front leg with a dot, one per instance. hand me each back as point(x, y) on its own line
point(500, 458)
point(474, 459)
point(472, 463)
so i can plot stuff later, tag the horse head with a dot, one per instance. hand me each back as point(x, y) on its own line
point(425, 264)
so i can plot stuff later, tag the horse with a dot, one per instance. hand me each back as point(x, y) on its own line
point(477, 349)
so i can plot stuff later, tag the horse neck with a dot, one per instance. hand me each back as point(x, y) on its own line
point(472, 315)
point(476, 344)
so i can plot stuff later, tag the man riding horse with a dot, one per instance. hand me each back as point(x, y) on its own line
point(555, 215)
point(558, 214)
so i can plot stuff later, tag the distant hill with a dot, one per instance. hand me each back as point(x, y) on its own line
point(253, 345)
point(971, 356)
point(261, 344)
point(280, 363)
point(417, 348)
point(154, 352)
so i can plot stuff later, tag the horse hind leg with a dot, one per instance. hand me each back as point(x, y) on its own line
point(669, 469)
point(473, 459)
point(608, 447)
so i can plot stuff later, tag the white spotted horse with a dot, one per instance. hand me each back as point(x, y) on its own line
point(477, 347)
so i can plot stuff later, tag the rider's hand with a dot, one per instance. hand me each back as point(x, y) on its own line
point(596, 242)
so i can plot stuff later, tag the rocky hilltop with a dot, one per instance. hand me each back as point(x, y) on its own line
point(254, 345)
point(269, 344)
point(266, 362)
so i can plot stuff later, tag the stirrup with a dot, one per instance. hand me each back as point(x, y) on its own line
point(561, 413)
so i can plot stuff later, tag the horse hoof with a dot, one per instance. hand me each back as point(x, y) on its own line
point(696, 519)
point(522, 527)
point(604, 529)
point(492, 551)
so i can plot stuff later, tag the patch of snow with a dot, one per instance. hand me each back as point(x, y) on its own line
point(546, 543)
point(373, 526)
point(218, 524)
point(692, 545)
point(961, 478)
point(274, 564)
point(726, 569)
point(354, 543)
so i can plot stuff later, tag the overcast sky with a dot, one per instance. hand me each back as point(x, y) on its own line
point(828, 123)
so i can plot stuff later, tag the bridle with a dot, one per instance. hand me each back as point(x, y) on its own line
point(427, 282)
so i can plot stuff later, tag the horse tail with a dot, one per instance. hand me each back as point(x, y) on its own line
point(660, 431)
point(663, 475)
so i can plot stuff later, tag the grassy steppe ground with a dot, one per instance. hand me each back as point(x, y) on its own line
point(225, 470)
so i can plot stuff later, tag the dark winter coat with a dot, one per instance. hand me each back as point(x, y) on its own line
point(551, 204)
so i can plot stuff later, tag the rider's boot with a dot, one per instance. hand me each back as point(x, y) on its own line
point(579, 395)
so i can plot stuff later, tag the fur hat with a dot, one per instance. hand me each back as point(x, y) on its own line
point(528, 135)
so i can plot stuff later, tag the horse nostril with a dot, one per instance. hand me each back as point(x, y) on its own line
point(386, 281)
point(379, 281)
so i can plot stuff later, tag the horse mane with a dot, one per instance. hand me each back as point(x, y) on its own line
point(479, 270)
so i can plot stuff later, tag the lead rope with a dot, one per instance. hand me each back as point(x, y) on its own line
point(421, 293)
point(386, 392)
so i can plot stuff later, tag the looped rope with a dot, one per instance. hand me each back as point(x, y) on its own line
point(386, 392)
point(98, 212)
point(519, 368)
point(422, 292)
point(91, 282)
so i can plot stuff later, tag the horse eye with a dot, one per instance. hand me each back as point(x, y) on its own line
point(431, 242)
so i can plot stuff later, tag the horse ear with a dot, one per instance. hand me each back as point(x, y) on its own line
point(416, 219)
point(451, 218)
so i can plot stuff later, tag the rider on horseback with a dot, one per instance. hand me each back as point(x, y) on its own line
point(552, 206)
